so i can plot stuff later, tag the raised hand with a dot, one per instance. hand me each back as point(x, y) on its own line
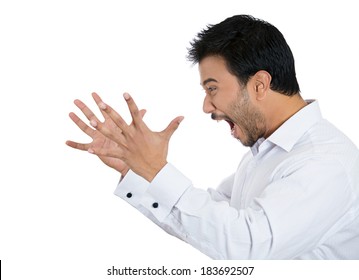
point(144, 151)
point(99, 141)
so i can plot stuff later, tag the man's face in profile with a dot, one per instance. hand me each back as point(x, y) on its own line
point(227, 100)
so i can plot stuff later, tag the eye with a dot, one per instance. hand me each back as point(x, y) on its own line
point(211, 90)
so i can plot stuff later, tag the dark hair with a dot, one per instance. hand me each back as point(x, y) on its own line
point(248, 45)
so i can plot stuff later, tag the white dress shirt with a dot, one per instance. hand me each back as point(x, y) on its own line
point(295, 195)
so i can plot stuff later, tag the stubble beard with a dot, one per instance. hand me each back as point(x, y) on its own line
point(248, 118)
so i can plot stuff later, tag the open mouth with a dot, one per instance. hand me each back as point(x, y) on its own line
point(231, 125)
point(225, 118)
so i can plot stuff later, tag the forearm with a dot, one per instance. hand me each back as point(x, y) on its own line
point(213, 227)
point(132, 188)
point(219, 230)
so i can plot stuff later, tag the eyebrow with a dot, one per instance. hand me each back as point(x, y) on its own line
point(208, 80)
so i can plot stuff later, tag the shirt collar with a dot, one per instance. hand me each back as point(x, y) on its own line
point(288, 134)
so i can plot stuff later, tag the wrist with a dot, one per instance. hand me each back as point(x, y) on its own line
point(123, 173)
point(152, 172)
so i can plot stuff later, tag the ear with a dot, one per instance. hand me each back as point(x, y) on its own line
point(261, 84)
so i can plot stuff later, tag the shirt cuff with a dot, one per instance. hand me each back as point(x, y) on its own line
point(164, 191)
point(131, 188)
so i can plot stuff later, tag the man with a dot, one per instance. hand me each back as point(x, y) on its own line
point(295, 194)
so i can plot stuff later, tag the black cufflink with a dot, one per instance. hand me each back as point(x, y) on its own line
point(155, 205)
point(129, 195)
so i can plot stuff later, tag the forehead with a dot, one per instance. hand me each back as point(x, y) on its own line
point(214, 67)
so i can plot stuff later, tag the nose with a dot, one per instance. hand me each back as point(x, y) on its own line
point(208, 106)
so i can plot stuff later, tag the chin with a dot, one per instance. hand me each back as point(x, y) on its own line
point(245, 142)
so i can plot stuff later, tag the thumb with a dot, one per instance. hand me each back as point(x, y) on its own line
point(172, 127)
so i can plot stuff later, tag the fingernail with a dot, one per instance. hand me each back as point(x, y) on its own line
point(91, 151)
point(102, 105)
point(126, 96)
point(93, 123)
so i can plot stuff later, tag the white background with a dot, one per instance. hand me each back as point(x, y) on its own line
point(58, 216)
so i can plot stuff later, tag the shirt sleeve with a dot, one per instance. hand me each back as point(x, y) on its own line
point(132, 188)
point(224, 190)
point(191, 214)
point(281, 223)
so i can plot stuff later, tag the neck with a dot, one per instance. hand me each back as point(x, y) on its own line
point(280, 108)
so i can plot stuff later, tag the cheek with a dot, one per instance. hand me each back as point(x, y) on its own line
point(247, 117)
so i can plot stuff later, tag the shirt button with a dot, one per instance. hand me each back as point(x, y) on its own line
point(155, 205)
point(129, 195)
